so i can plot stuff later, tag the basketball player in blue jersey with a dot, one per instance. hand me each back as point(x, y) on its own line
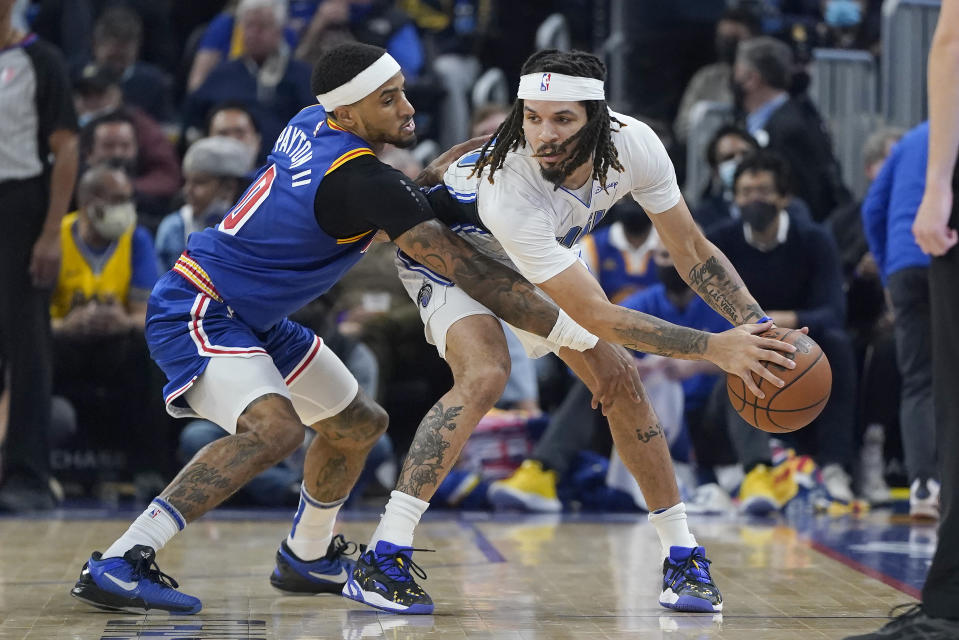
point(217, 326)
point(560, 160)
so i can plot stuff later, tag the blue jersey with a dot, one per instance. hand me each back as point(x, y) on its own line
point(269, 256)
point(619, 274)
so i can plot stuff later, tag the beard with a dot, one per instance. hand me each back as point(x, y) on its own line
point(553, 174)
point(403, 141)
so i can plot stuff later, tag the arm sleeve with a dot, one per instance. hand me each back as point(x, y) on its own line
point(144, 259)
point(523, 228)
point(825, 304)
point(376, 196)
point(875, 209)
point(54, 103)
point(650, 169)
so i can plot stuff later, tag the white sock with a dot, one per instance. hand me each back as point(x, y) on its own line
point(153, 528)
point(402, 514)
point(312, 526)
point(672, 529)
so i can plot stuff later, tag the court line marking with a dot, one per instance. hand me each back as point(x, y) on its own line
point(840, 557)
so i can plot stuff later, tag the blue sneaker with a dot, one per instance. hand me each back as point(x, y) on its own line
point(324, 575)
point(383, 578)
point(132, 583)
point(687, 585)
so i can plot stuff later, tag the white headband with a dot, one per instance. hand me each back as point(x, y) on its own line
point(365, 83)
point(559, 87)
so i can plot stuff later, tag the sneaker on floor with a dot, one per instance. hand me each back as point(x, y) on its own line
point(924, 499)
point(709, 499)
point(914, 624)
point(530, 488)
point(687, 585)
point(132, 583)
point(837, 482)
point(324, 575)
point(756, 494)
point(383, 578)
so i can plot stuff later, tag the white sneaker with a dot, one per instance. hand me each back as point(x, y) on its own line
point(924, 499)
point(838, 483)
point(709, 499)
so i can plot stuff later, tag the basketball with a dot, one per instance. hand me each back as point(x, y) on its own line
point(799, 401)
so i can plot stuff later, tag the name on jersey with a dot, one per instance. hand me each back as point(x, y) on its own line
point(609, 187)
point(295, 144)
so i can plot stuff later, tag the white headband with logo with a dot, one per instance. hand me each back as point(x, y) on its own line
point(366, 82)
point(559, 87)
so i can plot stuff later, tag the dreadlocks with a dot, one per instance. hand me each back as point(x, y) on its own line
point(592, 140)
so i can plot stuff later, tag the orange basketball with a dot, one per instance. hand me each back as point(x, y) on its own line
point(799, 401)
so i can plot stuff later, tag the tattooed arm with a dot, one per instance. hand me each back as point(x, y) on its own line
point(704, 267)
point(505, 292)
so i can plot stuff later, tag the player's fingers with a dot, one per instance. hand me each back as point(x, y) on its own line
point(635, 385)
point(764, 372)
point(751, 385)
point(781, 360)
point(804, 330)
point(776, 345)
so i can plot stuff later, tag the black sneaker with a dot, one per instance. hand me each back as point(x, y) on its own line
point(324, 575)
point(132, 583)
point(913, 623)
point(687, 585)
point(383, 578)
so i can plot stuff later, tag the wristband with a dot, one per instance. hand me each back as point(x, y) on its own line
point(764, 319)
point(567, 333)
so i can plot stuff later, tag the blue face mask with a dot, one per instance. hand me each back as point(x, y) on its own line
point(843, 13)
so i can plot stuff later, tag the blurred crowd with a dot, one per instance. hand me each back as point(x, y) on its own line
point(173, 106)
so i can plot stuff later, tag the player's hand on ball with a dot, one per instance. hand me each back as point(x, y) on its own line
point(741, 351)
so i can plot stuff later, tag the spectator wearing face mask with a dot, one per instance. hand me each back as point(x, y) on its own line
point(724, 152)
point(149, 161)
point(792, 268)
point(215, 171)
point(711, 83)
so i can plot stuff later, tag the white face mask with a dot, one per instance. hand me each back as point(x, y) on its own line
point(114, 219)
point(727, 171)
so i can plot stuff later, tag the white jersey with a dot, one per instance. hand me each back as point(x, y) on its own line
point(535, 227)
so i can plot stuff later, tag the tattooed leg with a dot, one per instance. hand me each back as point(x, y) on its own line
point(639, 439)
point(267, 431)
point(336, 456)
point(477, 354)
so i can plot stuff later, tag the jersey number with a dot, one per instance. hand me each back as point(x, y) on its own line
point(255, 196)
point(573, 235)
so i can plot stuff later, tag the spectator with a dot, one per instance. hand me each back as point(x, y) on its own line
point(266, 79)
point(620, 255)
point(235, 120)
point(38, 165)
point(791, 267)
point(149, 161)
point(117, 36)
point(712, 82)
point(790, 126)
point(216, 171)
point(487, 118)
point(724, 152)
point(887, 214)
point(98, 308)
point(223, 39)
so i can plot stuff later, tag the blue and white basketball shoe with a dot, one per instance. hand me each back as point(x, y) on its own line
point(324, 575)
point(383, 578)
point(687, 585)
point(132, 583)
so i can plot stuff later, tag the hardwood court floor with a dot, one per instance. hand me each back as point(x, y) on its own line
point(491, 578)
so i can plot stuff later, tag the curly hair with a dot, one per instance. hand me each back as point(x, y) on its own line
point(592, 140)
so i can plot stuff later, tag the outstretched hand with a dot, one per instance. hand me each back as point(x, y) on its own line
point(741, 351)
point(433, 173)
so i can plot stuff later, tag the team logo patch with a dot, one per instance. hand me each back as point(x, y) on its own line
point(544, 82)
point(426, 292)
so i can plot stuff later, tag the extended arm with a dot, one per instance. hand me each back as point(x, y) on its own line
point(704, 267)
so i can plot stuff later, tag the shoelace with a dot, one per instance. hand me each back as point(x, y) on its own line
point(398, 566)
point(903, 613)
point(340, 546)
point(147, 568)
point(696, 565)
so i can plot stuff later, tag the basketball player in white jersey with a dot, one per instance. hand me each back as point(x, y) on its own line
point(560, 161)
